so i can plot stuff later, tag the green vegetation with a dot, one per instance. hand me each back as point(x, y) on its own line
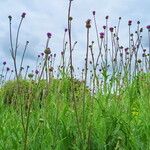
point(106, 108)
point(116, 122)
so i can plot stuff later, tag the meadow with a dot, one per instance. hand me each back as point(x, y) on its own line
point(107, 108)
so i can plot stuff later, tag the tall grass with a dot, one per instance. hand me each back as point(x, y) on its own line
point(107, 108)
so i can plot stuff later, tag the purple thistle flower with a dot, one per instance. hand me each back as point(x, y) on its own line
point(66, 30)
point(130, 22)
point(94, 13)
point(4, 63)
point(102, 35)
point(7, 68)
point(23, 15)
point(10, 17)
point(104, 27)
point(148, 27)
point(111, 29)
point(49, 35)
point(107, 17)
point(42, 54)
point(36, 72)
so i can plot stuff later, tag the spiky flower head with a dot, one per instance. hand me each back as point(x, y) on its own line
point(10, 17)
point(148, 27)
point(130, 22)
point(23, 15)
point(111, 29)
point(88, 23)
point(101, 35)
point(94, 13)
point(49, 35)
point(4, 63)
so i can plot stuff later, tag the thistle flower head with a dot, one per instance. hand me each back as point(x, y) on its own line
point(66, 29)
point(111, 29)
point(106, 17)
point(130, 22)
point(70, 18)
point(30, 75)
point(10, 17)
point(138, 22)
point(104, 27)
point(42, 54)
point(23, 15)
point(47, 51)
point(4, 63)
point(7, 68)
point(36, 72)
point(88, 23)
point(94, 13)
point(49, 35)
point(148, 27)
point(101, 35)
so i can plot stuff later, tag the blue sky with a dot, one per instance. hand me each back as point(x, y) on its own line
point(50, 16)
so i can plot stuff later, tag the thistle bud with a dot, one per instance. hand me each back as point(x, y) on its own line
point(88, 23)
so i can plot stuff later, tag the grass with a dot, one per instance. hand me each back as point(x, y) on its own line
point(107, 108)
point(116, 122)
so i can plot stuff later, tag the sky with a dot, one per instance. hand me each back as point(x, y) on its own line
point(44, 16)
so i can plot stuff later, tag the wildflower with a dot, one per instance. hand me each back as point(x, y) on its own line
point(51, 69)
point(23, 15)
point(141, 30)
point(111, 29)
point(139, 61)
point(30, 75)
point(38, 56)
point(7, 68)
point(66, 30)
point(28, 67)
point(138, 22)
point(10, 17)
point(94, 13)
point(47, 51)
point(126, 49)
point(148, 27)
point(36, 72)
point(104, 27)
point(102, 35)
point(119, 18)
point(130, 22)
point(88, 23)
point(107, 17)
point(54, 55)
point(49, 35)
point(70, 18)
point(4, 63)
point(42, 54)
